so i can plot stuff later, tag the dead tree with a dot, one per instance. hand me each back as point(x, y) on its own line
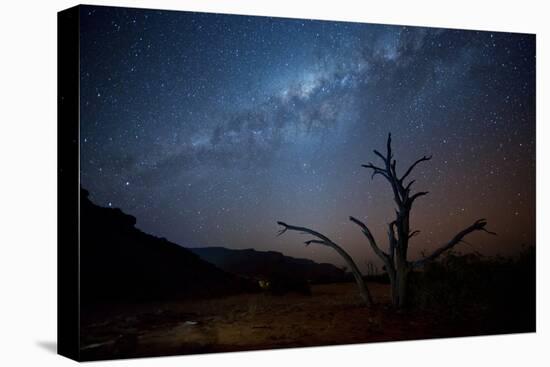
point(324, 240)
point(395, 259)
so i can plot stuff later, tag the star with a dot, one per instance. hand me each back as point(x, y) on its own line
point(236, 122)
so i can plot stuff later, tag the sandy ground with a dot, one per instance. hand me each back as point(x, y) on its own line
point(331, 315)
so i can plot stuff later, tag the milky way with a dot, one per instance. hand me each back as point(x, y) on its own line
point(209, 128)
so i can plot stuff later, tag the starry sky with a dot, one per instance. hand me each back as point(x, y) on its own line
point(209, 128)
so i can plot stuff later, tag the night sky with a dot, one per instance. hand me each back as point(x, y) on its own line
point(209, 128)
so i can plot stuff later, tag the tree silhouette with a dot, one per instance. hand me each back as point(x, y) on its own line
point(324, 240)
point(395, 260)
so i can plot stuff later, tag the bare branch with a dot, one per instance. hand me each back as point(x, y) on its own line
point(479, 225)
point(376, 170)
point(389, 172)
point(287, 227)
point(380, 155)
point(414, 233)
point(398, 193)
point(324, 240)
point(408, 187)
point(281, 231)
point(314, 241)
point(490, 232)
point(366, 231)
point(388, 147)
point(393, 169)
point(372, 166)
point(416, 196)
point(379, 173)
point(423, 159)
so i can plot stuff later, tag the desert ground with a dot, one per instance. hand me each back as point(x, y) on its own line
point(331, 315)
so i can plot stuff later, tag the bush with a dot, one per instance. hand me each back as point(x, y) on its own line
point(499, 292)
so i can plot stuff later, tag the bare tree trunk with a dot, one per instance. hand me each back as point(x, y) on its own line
point(400, 299)
point(395, 261)
point(324, 240)
point(393, 287)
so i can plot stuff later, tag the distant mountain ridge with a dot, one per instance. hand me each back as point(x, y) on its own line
point(120, 262)
point(269, 264)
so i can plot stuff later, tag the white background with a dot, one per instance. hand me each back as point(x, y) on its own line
point(28, 183)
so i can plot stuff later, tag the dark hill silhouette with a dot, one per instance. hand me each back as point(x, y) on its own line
point(120, 262)
point(269, 265)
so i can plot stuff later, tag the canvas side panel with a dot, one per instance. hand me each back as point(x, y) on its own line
point(68, 183)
